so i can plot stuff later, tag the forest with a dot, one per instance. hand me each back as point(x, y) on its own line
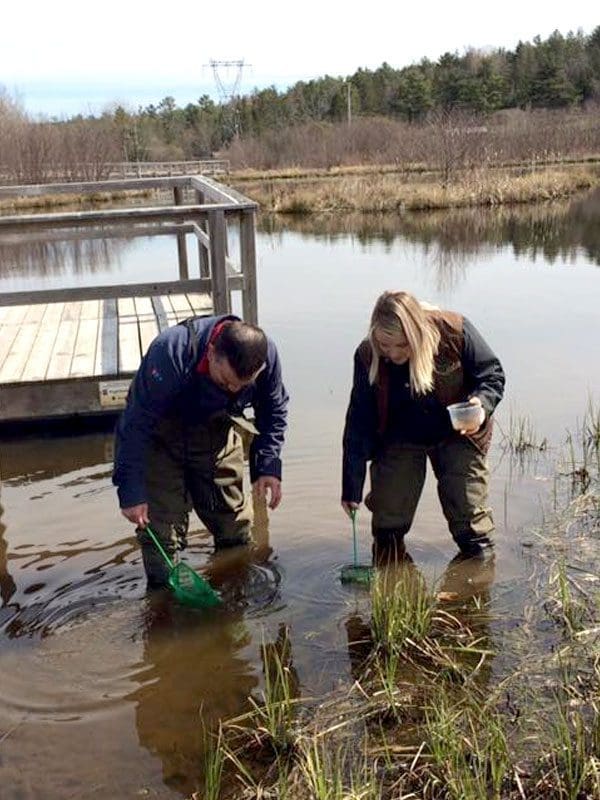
point(330, 121)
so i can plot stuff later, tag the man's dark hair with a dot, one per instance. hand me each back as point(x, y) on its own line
point(244, 346)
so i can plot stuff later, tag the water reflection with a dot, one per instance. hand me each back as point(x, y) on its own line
point(79, 251)
point(34, 458)
point(198, 668)
point(7, 584)
point(194, 672)
point(453, 238)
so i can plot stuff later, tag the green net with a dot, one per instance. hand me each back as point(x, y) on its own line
point(191, 589)
point(357, 573)
point(188, 587)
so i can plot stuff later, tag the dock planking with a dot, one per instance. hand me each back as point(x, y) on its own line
point(78, 357)
point(73, 350)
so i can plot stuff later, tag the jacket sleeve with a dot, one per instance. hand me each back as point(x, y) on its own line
point(484, 375)
point(157, 382)
point(360, 433)
point(270, 409)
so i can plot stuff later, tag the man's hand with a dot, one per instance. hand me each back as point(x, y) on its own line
point(137, 514)
point(268, 487)
point(475, 401)
point(349, 507)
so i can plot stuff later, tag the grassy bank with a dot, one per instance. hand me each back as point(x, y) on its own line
point(442, 708)
point(368, 189)
point(379, 190)
point(49, 202)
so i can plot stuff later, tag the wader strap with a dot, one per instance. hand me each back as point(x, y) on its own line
point(194, 342)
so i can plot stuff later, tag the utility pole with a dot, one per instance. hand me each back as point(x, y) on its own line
point(349, 101)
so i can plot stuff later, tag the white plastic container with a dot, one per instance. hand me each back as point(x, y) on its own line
point(465, 415)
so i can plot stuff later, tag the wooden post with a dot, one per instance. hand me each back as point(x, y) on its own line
point(248, 266)
point(202, 251)
point(184, 272)
point(217, 233)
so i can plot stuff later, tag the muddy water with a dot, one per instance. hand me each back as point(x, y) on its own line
point(102, 688)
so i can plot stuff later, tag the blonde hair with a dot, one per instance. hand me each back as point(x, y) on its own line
point(400, 313)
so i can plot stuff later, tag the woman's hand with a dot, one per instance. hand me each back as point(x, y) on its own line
point(349, 507)
point(475, 401)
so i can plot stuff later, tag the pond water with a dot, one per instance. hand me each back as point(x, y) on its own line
point(102, 688)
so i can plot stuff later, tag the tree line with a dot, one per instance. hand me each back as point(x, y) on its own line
point(560, 73)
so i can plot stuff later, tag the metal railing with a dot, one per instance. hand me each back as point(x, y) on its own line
point(159, 169)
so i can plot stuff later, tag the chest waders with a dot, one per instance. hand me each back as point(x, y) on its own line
point(194, 466)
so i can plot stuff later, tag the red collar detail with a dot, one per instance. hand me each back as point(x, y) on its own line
point(202, 365)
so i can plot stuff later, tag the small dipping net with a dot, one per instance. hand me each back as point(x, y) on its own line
point(356, 573)
point(188, 587)
point(191, 589)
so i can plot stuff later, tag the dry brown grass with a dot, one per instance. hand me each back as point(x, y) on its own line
point(67, 200)
point(381, 191)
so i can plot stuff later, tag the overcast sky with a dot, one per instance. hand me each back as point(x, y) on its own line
point(61, 57)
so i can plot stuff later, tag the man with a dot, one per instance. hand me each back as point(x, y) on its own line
point(177, 442)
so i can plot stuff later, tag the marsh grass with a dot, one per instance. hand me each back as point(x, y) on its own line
point(584, 450)
point(521, 436)
point(591, 427)
point(566, 602)
point(68, 200)
point(570, 765)
point(273, 718)
point(342, 772)
point(377, 191)
point(468, 749)
point(429, 718)
point(213, 762)
point(402, 609)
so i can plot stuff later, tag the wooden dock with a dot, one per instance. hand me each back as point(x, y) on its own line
point(58, 359)
point(73, 351)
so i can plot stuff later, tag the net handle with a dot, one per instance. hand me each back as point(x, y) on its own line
point(353, 513)
point(159, 546)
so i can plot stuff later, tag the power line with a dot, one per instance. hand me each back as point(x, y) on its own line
point(228, 78)
point(227, 86)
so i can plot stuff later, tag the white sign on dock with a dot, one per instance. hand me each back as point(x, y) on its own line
point(113, 394)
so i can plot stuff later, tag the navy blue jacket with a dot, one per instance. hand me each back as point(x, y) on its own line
point(167, 383)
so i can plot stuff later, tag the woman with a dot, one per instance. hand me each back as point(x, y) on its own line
point(416, 361)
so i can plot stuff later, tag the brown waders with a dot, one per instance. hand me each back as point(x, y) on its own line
point(397, 479)
point(197, 467)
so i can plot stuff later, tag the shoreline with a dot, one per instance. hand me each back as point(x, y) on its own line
point(368, 189)
point(377, 191)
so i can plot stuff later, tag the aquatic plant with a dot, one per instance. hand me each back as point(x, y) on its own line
point(468, 748)
point(564, 603)
point(521, 436)
point(335, 773)
point(213, 760)
point(570, 767)
point(402, 609)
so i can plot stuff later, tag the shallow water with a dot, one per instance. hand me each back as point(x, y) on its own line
point(102, 687)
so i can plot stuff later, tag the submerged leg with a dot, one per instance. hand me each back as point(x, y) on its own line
point(215, 474)
point(397, 478)
point(168, 502)
point(462, 473)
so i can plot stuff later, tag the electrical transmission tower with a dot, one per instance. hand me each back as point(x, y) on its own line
point(227, 86)
point(228, 78)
